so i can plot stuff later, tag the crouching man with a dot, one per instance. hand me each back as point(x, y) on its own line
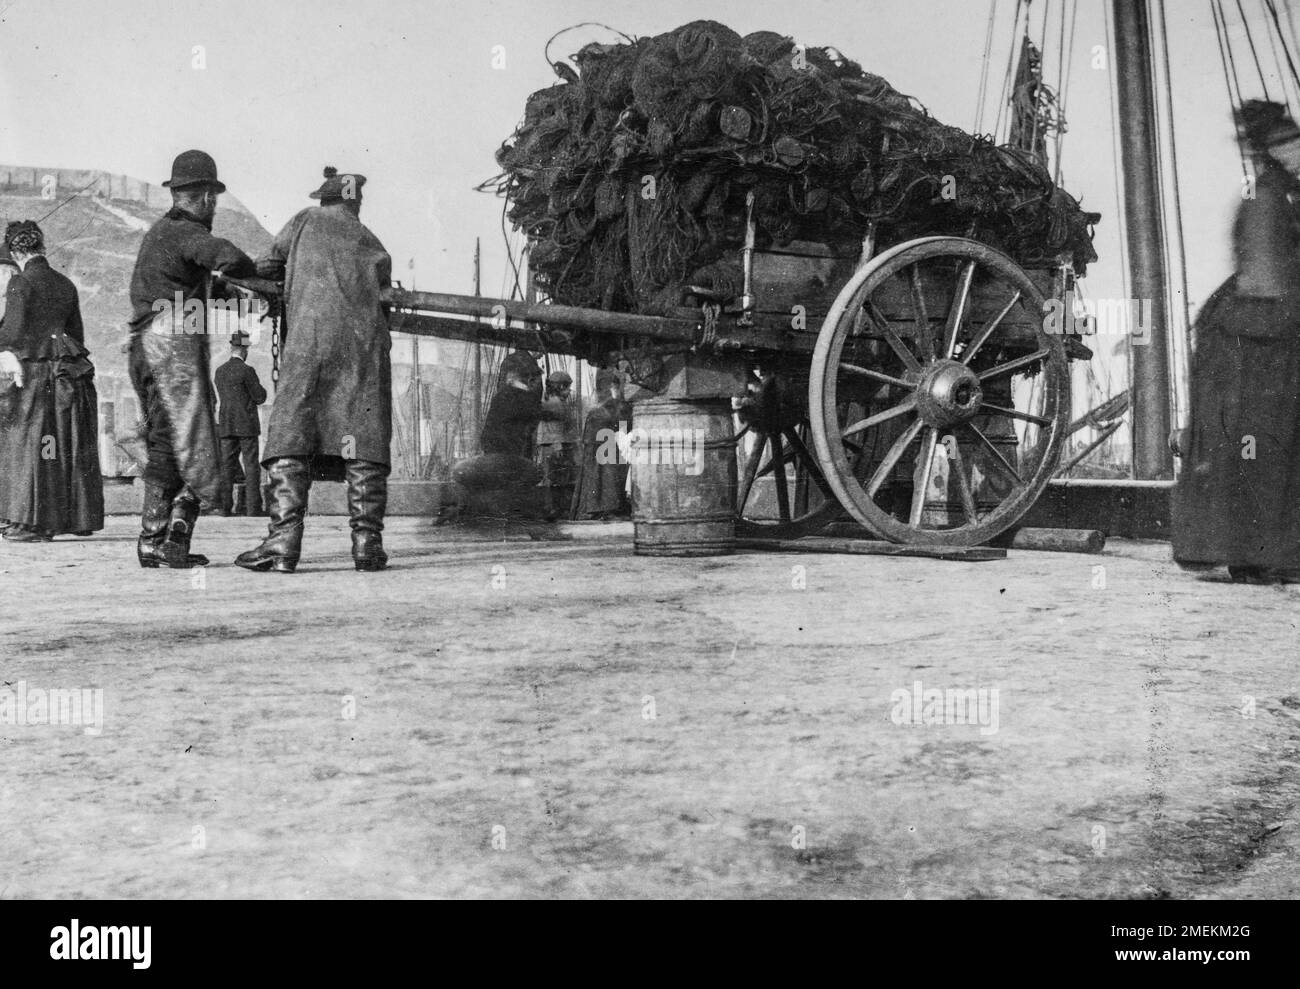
point(332, 416)
point(503, 481)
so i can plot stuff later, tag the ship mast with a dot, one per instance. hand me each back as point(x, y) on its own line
point(1152, 458)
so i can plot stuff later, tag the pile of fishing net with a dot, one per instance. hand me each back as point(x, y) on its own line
point(630, 177)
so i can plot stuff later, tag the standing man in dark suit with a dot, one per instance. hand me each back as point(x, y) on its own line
point(239, 428)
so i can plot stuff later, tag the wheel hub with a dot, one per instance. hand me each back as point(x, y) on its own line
point(948, 393)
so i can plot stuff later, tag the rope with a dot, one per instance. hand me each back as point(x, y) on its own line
point(1225, 45)
point(1234, 101)
point(1250, 40)
point(1277, 64)
point(1063, 85)
point(1295, 77)
point(1008, 81)
point(984, 68)
point(1119, 211)
point(1177, 237)
point(1038, 84)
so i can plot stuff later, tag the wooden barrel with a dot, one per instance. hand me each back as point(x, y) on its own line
point(683, 464)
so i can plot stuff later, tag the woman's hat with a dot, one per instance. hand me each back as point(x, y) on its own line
point(1264, 123)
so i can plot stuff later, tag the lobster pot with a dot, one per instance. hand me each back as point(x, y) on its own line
point(683, 465)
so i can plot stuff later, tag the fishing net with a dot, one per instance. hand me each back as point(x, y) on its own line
point(630, 176)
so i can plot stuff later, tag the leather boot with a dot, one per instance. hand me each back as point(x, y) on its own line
point(290, 483)
point(367, 501)
point(153, 548)
point(180, 530)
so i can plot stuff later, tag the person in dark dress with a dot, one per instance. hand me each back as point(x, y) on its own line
point(171, 286)
point(602, 484)
point(333, 413)
point(239, 428)
point(1237, 499)
point(50, 482)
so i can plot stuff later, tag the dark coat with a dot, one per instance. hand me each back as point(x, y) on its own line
point(1237, 500)
point(49, 456)
point(333, 401)
point(176, 258)
point(511, 421)
point(240, 393)
point(42, 315)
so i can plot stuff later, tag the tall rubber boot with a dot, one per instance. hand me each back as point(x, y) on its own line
point(180, 530)
point(290, 483)
point(367, 502)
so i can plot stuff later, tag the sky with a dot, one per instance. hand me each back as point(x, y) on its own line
point(419, 95)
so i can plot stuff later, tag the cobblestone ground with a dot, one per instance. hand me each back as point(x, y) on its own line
point(499, 715)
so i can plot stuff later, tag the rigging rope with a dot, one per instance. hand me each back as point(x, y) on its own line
point(1234, 99)
point(1250, 40)
point(1008, 81)
point(1119, 212)
point(1063, 84)
point(984, 68)
point(1295, 77)
point(1178, 355)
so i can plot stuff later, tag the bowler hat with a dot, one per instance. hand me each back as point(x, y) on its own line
point(336, 184)
point(559, 378)
point(194, 168)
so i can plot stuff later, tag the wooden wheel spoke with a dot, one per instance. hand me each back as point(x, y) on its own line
point(997, 454)
point(867, 372)
point(1010, 366)
point(750, 473)
point(770, 466)
point(802, 452)
point(907, 405)
point(989, 329)
point(892, 457)
point(778, 461)
point(957, 311)
point(957, 468)
point(924, 332)
point(921, 477)
point(1015, 414)
point(881, 325)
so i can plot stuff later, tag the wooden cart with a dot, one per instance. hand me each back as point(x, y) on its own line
point(921, 392)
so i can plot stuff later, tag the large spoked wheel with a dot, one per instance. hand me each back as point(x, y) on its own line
point(782, 492)
point(938, 430)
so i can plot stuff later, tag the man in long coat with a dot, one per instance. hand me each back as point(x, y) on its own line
point(170, 289)
point(1237, 501)
point(332, 416)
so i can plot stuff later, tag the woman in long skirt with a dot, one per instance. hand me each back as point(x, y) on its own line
point(1237, 501)
point(50, 480)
